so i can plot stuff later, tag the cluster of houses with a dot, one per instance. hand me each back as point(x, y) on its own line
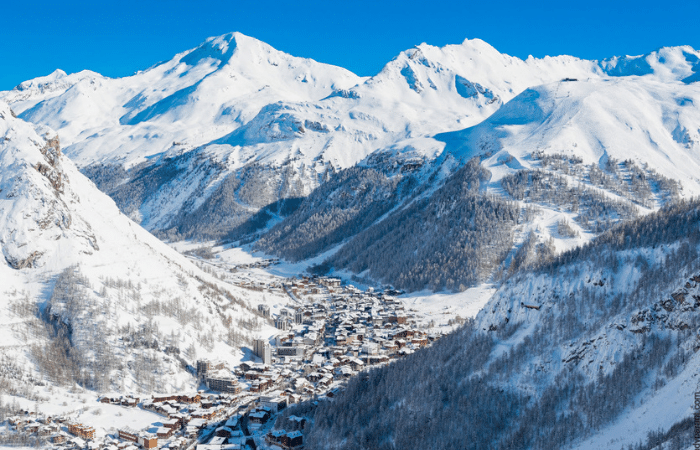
point(332, 333)
point(52, 429)
point(345, 327)
point(262, 264)
point(186, 416)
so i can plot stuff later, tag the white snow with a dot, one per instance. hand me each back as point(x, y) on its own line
point(52, 218)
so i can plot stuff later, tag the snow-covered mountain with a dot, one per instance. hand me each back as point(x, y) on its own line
point(640, 119)
point(233, 126)
point(197, 96)
point(89, 296)
point(567, 160)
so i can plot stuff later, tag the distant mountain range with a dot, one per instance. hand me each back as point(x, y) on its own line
point(198, 145)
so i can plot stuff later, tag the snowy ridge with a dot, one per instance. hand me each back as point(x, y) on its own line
point(199, 95)
point(42, 88)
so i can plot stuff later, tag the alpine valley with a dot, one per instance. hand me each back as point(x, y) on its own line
point(250, 249)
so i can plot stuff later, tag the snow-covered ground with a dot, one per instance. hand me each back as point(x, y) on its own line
point(442, 307)
point(126, 287)
point(659, 412)
point(83, 407)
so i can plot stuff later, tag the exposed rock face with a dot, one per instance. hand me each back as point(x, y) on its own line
point(52, 170)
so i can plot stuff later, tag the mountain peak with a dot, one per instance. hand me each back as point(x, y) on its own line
point(41, 81)
point(666, 63)
point(223, 47)
point(478, 44)
point(216, 47)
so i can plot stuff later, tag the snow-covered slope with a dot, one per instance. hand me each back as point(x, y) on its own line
point(626, 303)
point(594, 350)
point(644, 120)
point(197, 96)
point(574, 156)
point(133, 309)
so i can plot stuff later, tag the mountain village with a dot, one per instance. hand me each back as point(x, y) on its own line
point(331, 334)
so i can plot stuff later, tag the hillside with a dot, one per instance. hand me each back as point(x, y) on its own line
point(88, 296)
point(567, 159)
point(595, 349)
point(642, 120)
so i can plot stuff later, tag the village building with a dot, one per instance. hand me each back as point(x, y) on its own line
point(205, 366)
point(262, 349)
point(264, 310)
point(226, 384)
point(82, 431)
point(260, 416)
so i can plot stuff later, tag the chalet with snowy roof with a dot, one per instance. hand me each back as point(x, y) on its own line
point(421, 341)
point(356, 364)
point(314, 377)
point(333, 392)
point(172, 423)
point(80, 443)
point(163, 398)
point(251, 375)
point(326, 380)
point(32, 427)
point(128, 434)
point(345, 372)
point(260, 385)
point(58, 438)
point(403, 333)
point(260, 416)
point(296, 439)
point(270, 375)
point(278, 437)
point(189, 398)
point(207, 414)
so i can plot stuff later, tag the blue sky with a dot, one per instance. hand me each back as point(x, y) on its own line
point(120, 37)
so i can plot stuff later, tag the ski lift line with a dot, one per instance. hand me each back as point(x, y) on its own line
point(554, 97)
